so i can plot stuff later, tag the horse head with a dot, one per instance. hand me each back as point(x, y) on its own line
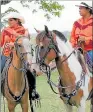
point(47, 49)
point(22, 47)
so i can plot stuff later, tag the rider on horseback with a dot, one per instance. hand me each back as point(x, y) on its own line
point(8, 37)
point(82, 32)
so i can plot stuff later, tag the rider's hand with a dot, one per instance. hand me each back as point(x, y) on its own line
point(81, 39)
point(10, 44)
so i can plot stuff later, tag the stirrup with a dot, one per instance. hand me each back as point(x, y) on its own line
point(35, 95)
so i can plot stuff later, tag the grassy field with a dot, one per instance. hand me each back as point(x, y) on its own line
point(50, 102)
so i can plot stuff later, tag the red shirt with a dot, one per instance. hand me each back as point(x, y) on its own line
point(7, 37)
point(85, 29)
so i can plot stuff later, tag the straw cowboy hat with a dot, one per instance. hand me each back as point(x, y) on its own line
point(84, 5)
point(15, 15)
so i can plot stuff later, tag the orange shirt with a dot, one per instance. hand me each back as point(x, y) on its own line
point(7, 37)
point(85, 29)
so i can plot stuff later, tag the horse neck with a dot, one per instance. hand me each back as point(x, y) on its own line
point(16, 60)
point(66, 76)
point(15, 77)
point(18, 64)
point(70, 70)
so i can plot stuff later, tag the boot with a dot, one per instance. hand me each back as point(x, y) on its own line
point(35, 95)
point(32, 85)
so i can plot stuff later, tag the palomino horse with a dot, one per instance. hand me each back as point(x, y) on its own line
point(15, 86)
point(75, 85)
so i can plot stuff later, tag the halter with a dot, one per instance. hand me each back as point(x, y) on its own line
point(51, 45)
point(25, 64)
point(43, 66)
point(46, 69)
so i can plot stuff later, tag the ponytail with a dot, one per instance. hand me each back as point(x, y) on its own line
point(90, 10)
point(19, 22)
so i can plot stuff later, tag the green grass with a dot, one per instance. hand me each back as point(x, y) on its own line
point(50, 102)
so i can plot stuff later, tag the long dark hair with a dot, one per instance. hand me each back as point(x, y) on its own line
point(19, 22)
point(90, 10)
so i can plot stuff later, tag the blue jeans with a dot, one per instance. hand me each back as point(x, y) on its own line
point(3, 61)
point(90, 53)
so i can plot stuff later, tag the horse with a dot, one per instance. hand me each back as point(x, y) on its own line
point(75, 83)
point(34, 64)
point(15, 86)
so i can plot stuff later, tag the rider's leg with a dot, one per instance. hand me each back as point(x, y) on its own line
point(91, 54)
point(3, 61)
point(32, 85)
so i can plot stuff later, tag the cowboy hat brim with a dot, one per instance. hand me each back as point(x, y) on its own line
point(82, 4)
point(15, 15)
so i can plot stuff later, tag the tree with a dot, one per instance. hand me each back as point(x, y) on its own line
point(50, 7)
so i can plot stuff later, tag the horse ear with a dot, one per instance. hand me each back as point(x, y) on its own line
point(46, 30)
point(37, 30)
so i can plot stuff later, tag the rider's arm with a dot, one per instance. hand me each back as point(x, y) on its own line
point(73, 38)
point(5, 38)
point(2, 38)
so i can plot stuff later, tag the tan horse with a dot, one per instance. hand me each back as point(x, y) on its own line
point(75, 86)
point(16, 88)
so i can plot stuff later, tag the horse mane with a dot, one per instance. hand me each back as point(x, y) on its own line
point(60, 35)
point(42, 34)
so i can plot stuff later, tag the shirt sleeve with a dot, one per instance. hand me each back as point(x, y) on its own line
point(72, 37)
point(2, 38)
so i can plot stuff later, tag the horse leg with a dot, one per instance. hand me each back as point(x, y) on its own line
point(24, 102)
point(82, 106)
point(24, 107)
point(68, 108)
point(11, 106)
point(92, 105)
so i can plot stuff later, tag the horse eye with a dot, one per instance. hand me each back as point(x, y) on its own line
point(19, 45)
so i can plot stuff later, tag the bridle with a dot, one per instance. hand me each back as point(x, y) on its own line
point(21, 55)
point(46, 69)
point(52, 45)
point(23, 69)
point(43, 66)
